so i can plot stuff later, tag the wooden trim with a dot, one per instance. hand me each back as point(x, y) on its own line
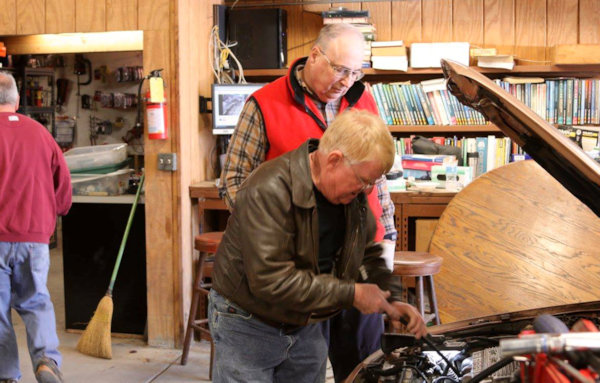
point(572, 70)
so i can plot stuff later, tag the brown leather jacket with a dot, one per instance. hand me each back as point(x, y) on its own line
point(267, 262)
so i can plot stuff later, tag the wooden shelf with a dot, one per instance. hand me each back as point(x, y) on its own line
point(455, 129)
point(555, 70)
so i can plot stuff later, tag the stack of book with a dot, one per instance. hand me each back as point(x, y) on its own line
point(360, 19)
point(419, 165)
point(389, 55)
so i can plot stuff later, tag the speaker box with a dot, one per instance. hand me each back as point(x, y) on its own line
point(260, 35)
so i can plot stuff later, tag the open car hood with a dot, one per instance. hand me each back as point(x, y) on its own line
point(558, 155)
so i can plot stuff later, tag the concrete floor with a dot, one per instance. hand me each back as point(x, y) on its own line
point(133, 361)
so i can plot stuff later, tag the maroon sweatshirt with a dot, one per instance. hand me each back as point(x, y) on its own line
point(35, 184)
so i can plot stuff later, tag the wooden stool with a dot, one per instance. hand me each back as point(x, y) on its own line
point(420, 265)
point(205, 243)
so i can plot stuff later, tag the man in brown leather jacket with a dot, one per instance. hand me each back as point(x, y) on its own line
point(297, 249)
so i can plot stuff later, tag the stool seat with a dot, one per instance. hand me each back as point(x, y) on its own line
point(421, 266)
point(207, 245)
point(414, 263)
point(208, 242)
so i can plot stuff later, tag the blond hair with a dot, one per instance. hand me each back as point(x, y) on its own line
point(361, 136)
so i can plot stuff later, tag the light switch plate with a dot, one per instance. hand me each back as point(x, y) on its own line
point(167, 161)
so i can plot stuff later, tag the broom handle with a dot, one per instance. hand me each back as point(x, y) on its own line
point(124, 240)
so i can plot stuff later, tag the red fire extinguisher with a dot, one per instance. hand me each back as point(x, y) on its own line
point(156, 114)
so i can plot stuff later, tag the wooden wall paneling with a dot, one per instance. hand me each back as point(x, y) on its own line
point(60, 16)
point(30, 17)
point(153, 15)
point(589, 22)
point(355, 6)
point(530, 32)
point(195, 141)
point(467, 21)
point(381, 17)
point(121, 15)
point(312, 22)
point(406, 21)
point(499, 25)
point(294, 33)
point(8, 17)
point(90, 16)
point(161, 222)
point(562, 23)
point(185, 116)
point(436, 19)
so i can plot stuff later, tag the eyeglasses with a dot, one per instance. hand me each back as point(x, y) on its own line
point(343, 72)
point(364, 185)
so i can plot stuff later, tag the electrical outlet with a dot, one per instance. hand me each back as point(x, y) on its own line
point(167, 161)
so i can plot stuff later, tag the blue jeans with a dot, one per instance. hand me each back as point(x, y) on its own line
point(23, 274)
point(248, 350)
point(352, 337)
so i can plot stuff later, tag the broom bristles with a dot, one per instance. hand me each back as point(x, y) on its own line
point(95, 340)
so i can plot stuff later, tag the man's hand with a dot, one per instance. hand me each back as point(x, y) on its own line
point(370, 299)
point(414, 321)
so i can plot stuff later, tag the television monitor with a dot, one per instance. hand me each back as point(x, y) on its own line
point(227, 103)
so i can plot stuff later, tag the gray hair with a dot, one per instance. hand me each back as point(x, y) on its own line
point(331, 32)
point(9, 95)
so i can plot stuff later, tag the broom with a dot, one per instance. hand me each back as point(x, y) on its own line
point(95, 340)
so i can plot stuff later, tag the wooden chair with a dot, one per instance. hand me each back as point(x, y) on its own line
point(420, 265)
point(206, 244)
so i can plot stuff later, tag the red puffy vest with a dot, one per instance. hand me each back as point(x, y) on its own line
point(291, 117)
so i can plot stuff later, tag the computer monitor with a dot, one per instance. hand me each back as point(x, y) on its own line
point(227, 103)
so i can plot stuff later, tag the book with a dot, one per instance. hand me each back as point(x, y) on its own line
point(393, 43)
point(346, 20)
point(399, 50)
point(418, 165)
point(497, 61)
point(344, 12)
point(523, 80)
point(476, 52)
point(425, 157)
point(390, 62)
point(481, 143)
point(491, 153)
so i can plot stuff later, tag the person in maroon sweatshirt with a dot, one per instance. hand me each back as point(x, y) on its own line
point(35, 187)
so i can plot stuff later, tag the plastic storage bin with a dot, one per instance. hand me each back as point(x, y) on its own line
point(96, 159)
point(114, 183)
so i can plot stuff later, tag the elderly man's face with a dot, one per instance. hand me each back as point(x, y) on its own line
point(337, 68)
point(342, 181)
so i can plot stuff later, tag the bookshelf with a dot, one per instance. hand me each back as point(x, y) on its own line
point(417, 75)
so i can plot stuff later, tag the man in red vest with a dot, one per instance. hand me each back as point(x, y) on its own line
point(282, 115)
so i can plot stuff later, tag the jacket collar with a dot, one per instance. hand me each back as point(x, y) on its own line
point(302, 185)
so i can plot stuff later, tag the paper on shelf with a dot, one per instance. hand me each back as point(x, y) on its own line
point(428, 55)
point(497, 61)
